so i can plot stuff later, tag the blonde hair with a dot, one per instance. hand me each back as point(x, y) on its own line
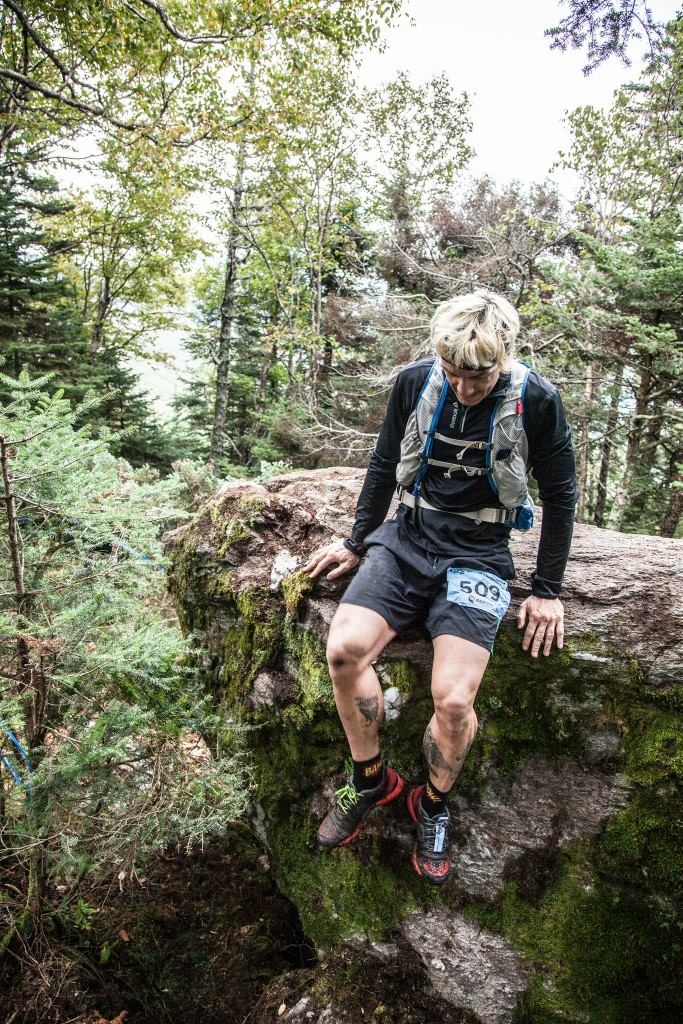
point(475, 331)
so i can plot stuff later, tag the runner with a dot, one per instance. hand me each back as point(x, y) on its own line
point(461, 431)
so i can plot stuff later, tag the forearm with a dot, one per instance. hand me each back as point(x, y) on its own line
point(554, 468)
point(380, 480)
point(375, 497)
point(553, 549)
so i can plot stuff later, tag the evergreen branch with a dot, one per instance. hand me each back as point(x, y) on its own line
point(74, 581)
point(37, 504)
point(547, 344)
point(58, 469)
point(12, 442)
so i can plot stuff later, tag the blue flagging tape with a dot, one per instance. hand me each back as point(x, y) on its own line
point(8, 764)
point(137, 554)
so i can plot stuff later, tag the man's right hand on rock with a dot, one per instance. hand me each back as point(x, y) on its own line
point(334, 553)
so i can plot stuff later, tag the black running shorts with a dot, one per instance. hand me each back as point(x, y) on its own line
point(457, 600)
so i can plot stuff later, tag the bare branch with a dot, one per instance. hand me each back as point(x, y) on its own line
point(217, 39)
point(51, 94)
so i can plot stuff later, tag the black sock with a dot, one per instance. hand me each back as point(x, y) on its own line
point(368, 774)
point(433, 800)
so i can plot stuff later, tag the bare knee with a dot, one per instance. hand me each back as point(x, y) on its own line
point(357, 636)
point(455, 712)
point(346, 652)
point(459, 667)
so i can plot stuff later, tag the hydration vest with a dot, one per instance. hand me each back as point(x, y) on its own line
point(507, 447)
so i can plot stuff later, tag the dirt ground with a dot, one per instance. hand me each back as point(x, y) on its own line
point(199, 940)
point(204, 938)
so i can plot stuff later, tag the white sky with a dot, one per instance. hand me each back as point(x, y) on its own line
point(519, 88)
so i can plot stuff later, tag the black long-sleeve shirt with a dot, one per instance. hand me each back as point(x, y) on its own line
point(551, 460)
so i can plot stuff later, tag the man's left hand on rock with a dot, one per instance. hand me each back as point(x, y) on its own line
point(544, 620)
point(334, 553)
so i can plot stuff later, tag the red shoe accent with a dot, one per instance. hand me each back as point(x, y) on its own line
point(414, 798)
point(396, 786)
point(437, 874)
point(350, 839)
point(394, 792)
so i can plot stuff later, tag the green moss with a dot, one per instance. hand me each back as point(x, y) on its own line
point(544, 706)
point(252, 642)
point(667, 697)
point(314, 694)
point(294, 588)
point(234, 521)
point(287, 769)
point(223, 522)
point(655, 747)
point(589, 945)
point(341, 893)
point(645, 842)
point(604, 938)
point(221, 584)
point(234, 532)
point(403, 676)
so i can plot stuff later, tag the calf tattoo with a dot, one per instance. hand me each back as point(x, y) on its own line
point(435, 759)
point(369, 709)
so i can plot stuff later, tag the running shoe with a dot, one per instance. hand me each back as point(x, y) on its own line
point(344, 822)
point(430, 856)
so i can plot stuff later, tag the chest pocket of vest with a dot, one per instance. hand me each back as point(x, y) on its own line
point(411, 452)
point(510, 447)
point(509, 431)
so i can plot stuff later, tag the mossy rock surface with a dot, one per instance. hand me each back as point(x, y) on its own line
point(587, 889)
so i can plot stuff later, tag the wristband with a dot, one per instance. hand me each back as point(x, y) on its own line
point(356, 547)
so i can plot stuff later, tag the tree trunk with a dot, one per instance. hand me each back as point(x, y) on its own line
point(32, 681)
point(103, 304)
point(228, 310)
point(646, 460)
point(328, 351)
point(261, 396)
point(674, 511)
point(652, 438)
point(583, 462)
point(608, 447)
point(635, 440)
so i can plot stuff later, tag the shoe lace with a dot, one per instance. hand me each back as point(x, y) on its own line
point(347, 797)
point(431, 827)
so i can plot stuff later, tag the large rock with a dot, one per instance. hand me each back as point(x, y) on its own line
point(545, 806)
point(567, 815)
point(468, 965)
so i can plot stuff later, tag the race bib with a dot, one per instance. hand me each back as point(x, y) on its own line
point(476, 589)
